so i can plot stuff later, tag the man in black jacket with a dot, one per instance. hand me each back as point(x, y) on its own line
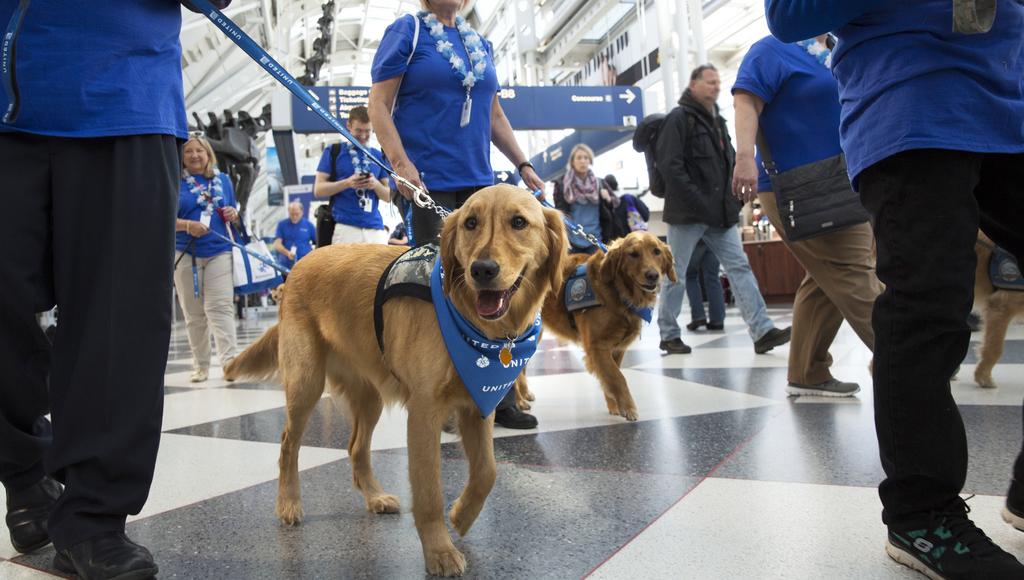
point(695, 157)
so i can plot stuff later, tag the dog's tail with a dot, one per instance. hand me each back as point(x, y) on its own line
point(259, 361)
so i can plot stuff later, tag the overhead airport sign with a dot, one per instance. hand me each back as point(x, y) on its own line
point(527, 108)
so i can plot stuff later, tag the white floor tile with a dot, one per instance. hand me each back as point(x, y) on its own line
point(1009, 377)
point(722, 358)
point(741, 529)
point(202, 406)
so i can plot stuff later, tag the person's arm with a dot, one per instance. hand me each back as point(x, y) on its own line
point(279, 247)
point(748, 112)
point(382, 98)
point(795, 20)
point(380, 188)
point(505, 140)
point(324, 187)
point(672, 163)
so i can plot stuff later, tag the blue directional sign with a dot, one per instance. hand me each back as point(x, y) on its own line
point(527, 108)
point(337, 100)
point(599, 108)
point(553, 160)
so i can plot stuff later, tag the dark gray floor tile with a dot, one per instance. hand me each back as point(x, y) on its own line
point(763, 382)
point(537, 523)
point(326, 427)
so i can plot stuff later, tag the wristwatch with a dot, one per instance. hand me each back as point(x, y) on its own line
point(520, 167)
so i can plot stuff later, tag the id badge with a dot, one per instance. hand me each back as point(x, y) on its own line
point(204, 218)
point(367, 204)
point(467, 110)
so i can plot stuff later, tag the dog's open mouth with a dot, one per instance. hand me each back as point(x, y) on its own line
point(651, 287)
point(493, 304)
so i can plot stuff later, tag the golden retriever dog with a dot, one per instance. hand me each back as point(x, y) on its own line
point(998, 309)
point(325, 334)
point(629, 273)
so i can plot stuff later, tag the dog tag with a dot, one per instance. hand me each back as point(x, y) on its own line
point(467, 109)
point(505, 356)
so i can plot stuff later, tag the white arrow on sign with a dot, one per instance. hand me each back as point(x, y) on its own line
point(628, 96)
point(503, 176)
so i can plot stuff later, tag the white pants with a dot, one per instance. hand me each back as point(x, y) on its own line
point(214, 307)
point(346, 234)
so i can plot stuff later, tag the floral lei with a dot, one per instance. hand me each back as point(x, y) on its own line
point(360, 164)
point(818, 51)
point(204, 199)
point(471, 40)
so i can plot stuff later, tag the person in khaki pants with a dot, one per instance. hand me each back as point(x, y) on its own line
point(203, 274)
point(788, 92)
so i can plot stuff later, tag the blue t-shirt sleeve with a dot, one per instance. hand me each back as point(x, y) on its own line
point(392, 57)
point(762, 72)
point(325, 162)
point(280, 231)
point(796, 20)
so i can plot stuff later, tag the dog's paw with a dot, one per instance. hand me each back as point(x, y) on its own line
point(449, 562)
point(383, 504)
point(462, 517)
point(985, 380)
point(529, 396)
point(524, 404)
point(289, 512)
point(630, 414)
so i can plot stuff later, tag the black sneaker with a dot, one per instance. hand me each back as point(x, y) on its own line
point(513, 418)
point(773, 338)
point(946, 545)
point(716, 326)
point(675, 346)
point(695, 324)
point(1013, 511)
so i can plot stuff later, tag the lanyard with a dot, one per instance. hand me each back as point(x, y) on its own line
point(7, 61)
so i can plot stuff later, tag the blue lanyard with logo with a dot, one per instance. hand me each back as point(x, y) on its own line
point(488, 368)
point(7, 61)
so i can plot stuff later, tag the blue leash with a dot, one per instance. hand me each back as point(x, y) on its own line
point(7, 58)
point(254, 50)
point(573, 226)
point(267, 261)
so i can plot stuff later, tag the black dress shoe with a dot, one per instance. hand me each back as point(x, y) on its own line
point(695, 324)
point(107, 556)
point(513, 418)
point(675, 346)
point(773, 338)
point(716, 326)
point(28, 509)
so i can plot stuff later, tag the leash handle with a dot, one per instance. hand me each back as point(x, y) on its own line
point(7, 60)
point(257, 53)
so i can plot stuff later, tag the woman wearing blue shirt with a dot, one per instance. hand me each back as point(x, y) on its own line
point(788, 93)
point(444, 91)
point(203, 278)
point(446, 111)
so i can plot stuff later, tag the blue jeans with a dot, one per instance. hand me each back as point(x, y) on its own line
point(704, 264)
point(725, 244)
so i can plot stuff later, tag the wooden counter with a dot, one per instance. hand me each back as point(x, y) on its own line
point(778, 273)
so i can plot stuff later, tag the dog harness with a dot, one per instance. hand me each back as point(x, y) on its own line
point(1004, 271)
point(579, 295)
point(488, 368)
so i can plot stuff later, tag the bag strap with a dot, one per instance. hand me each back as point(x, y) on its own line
point(412, 51)
point(335, 150)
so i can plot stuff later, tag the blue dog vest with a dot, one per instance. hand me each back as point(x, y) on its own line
point(579, 295)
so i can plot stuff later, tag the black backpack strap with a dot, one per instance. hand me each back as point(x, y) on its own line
point(335, 150)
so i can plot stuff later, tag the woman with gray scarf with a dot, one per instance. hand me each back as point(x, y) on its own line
point(582, 192)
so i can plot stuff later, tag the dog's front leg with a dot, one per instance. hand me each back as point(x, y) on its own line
point(478, 442)
point(424, 435)
point(605, 365)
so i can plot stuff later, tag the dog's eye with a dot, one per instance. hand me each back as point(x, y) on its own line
point(657, 252)
point(470, 223)
point(519, 222)
point(634, 254)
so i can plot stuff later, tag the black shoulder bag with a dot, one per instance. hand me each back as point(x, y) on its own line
point(815, 198)
point(324, 217)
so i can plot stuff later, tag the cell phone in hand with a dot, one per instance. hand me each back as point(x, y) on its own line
point(365, 174)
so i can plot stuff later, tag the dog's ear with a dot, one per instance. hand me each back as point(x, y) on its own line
point(449, 235)
point(610, 266)
point(558, 246)
point(668, 263)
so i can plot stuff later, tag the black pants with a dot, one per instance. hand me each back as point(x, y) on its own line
point(90, 228)
point(426, 224)
point(926, 207)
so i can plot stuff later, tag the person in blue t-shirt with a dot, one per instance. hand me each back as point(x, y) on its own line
point(434, 105)
point(932, 125)
point(787, 92)
point(295, 236)
point(354, 186)
point(203, 276)
point(89, 153)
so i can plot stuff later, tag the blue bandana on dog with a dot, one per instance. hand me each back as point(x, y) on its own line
point(478, 359)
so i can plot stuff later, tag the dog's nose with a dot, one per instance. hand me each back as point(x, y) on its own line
point(484, 271)
point(652, 275)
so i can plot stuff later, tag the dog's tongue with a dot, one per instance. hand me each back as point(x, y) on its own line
point(490, 302)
